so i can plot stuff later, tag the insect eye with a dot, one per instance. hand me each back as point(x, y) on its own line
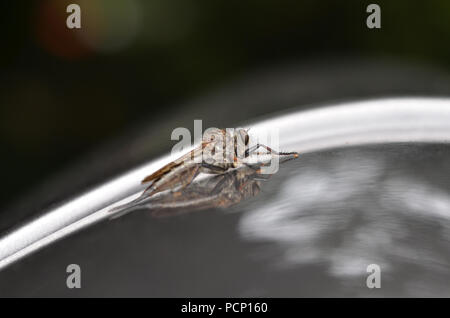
point(247, 139)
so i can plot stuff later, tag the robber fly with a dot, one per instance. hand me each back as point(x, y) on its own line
point(219, 151)
point(219, 191)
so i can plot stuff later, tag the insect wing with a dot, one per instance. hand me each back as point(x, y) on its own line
point(193, 155)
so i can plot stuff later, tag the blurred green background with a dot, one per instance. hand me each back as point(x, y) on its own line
point(65, 92)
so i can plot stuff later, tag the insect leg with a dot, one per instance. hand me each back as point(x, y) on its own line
point(270, 150)
point(251, 150)
point(213, 168)
point(175, 179)
point(261, 177)
point(255, 147)
point(220, 185)
point(189, 178)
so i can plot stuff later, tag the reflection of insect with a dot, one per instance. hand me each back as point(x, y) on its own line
point(220, 151)
point(220, 191)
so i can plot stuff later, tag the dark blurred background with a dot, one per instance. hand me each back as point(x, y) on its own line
point(65, 92)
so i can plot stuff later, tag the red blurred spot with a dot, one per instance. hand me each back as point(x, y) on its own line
point(52, 33)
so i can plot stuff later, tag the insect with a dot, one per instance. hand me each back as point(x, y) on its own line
point(219, 151)
point(219, 191)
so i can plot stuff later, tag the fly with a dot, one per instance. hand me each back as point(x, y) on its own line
point(219, 152)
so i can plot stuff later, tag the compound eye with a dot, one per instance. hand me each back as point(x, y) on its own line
point(247, 139)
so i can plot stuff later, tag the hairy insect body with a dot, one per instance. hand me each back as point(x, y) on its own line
point(216, 155)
